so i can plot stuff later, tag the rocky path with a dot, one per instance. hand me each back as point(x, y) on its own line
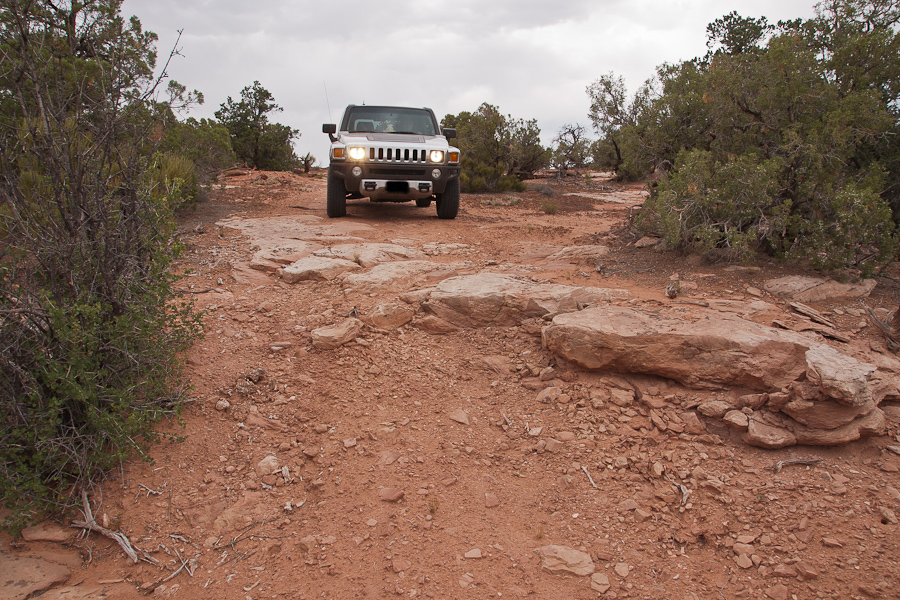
point(389, 405)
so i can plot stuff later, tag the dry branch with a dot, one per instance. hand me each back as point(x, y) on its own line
point(90, 524)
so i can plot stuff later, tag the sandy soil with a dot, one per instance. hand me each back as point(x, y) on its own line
point(664, 512)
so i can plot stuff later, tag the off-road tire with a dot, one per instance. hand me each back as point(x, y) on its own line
point(448, 202)
point(336, 197)
point(423, 202)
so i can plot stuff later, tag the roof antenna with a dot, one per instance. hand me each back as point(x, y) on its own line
point(327, 103)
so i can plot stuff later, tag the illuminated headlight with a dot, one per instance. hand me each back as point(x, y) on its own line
point(357, 153)
point(436, 156)
point(357, 172)
point(436, 174)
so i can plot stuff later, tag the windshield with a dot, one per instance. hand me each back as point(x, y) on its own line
point(380, 119)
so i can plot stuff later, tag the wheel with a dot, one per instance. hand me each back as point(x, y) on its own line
point(423, 202)
point(448, 202)
point(336, 197)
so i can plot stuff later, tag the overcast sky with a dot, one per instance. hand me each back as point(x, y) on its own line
point(530, 58)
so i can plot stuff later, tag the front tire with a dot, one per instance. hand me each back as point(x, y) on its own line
point(336, 197)
point(448, 202)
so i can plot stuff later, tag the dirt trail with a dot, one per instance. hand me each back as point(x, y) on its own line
point(416, 464)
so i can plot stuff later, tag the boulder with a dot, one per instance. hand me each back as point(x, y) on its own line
point(316, 268)
point(389, 315)
point(329, 338)
point(504, 300)
point(561, 559)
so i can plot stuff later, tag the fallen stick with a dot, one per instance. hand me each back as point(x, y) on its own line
point(90, 524)
point(591, 479)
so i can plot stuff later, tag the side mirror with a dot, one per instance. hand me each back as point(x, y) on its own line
point(449, 132)
point(330, 129)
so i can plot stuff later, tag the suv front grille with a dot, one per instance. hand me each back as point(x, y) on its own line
point(398, 155)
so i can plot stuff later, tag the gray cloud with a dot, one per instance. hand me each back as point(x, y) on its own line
point(531, 58)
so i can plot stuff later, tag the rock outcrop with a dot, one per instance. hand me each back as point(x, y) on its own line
point(817, 396)
point(503, 300)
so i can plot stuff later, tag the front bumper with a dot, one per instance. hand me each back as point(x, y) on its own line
point(387, 183)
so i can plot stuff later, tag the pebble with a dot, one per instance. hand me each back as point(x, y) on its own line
point(743, 561)
point(460, 416)
point(223, 405)
point(600, 583)
point(473, 553)
point(621, 570)
point(491, 500)
point(390, 494)
point(777, 592)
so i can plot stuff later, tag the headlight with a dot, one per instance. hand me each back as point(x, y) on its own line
point(436, 156)
point(357, 153)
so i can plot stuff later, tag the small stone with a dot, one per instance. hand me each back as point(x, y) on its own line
point(267, 466)
point(349, 442)
point(222, 405)
point(390, 494)
point(321, 428)
point(372, 522)
point(460, 416)
point(832, 543)
point(554, 445)
point(737, 419)
point(565, 436)
point(491, 500)
point(535, 431)
point(743, 561)
point(400, 564)
point(805, 571)
point(473, 553)
point(311, 451)
point(307, 543)
point(740, 548)
point(45, 532)
point(658, 469)
point(777, 592)
point(887, 515)
point(600, 583)
point(627, 505)
point(621, 570)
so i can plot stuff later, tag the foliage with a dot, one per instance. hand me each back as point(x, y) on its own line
point(498, 152)
point(255, 140)
point(572, 149)
point(782, 138)
point(89, 329)
point(204, 144)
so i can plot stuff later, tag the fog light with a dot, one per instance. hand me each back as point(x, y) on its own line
point(436, 174)
point(356, 171)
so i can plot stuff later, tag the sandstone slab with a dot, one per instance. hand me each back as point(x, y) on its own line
point(21, 577)
point(503, 300)
point(316, 268)
point(369, 255)
point(398, 276)
point(815, 289)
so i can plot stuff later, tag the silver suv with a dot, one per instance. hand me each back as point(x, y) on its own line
point(392, 154)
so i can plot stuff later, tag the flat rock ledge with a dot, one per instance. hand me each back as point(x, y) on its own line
point(504, 300)
point(811, 393)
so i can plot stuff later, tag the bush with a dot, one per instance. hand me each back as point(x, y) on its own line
point(90, 329)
